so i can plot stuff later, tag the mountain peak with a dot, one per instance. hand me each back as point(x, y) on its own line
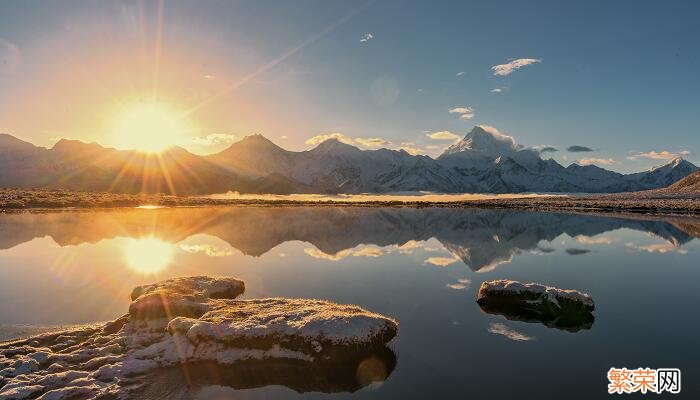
point(334, 144)
point(74, 145)
point(484, 139)
point(678, 162)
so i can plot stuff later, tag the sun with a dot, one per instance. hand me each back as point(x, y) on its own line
point(149, 127)
point(148, 255)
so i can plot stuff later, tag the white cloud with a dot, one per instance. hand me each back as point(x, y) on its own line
point(283, 137)
point(465, 112)
point(508, 68)
point(497, 90)
point(659, 155)
point(503, 330)
point(460, 73)
point(601, 161)
point(366, 37)
point(443, 135)
point(213, 139)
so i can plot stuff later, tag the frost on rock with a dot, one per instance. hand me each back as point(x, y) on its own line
point(570, 310)
point(184, 336)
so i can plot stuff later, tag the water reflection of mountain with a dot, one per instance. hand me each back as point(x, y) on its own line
point(480, 238)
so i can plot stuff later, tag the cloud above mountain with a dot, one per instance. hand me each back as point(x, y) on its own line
point(601, 161)
point(544, 149)
point(443, 135)
point(465, 112)
point(213, 139)
point(341, 137)
point(508, 68)
point(578, 149)
point(659, 155)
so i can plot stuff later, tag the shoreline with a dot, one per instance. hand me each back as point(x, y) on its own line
point(649, 203)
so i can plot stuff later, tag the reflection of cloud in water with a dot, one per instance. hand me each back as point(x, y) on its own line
point(364, 251)
point(441, 261)
point(501, 329)
point(482, 239)
point(208, 249)
point(576, 252)
point(662, 248)
point(316, 253)
point(595, 240)
point(461, 284)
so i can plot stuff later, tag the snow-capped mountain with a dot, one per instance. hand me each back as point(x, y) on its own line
point(484, 161)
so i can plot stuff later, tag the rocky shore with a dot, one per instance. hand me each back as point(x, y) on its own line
point(195, 326)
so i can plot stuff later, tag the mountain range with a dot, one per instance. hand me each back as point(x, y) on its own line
point(484, 161)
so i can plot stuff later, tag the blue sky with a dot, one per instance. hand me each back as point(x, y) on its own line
point(617, 77)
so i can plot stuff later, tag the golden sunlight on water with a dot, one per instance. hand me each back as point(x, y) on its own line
point(148, 255)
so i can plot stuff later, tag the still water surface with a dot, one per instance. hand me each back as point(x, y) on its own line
point(420, 266)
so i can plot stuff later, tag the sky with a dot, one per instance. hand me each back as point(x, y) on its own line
point(609, 83)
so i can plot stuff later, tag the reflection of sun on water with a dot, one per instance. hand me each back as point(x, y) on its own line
point(148, 255)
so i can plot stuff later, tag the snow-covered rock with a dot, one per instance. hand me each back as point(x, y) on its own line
point(305, 344)
point(559, 308)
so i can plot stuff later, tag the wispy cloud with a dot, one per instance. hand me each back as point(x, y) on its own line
point(10, 57)
point(503, 330)
point(543, 148)
point(411, 148)
point(366, 37)
point(372, 142)
point(443, 135)
point(659, 155)
point(213, 139)
point(578, 149)
point(508, 68)
point(460, 73)
point(600, 161)
point(497, 90)
point(465, 112)
point(662, 248)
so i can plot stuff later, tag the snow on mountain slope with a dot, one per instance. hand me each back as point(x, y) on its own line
point(484, 161)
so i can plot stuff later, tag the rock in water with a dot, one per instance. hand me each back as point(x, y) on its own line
point(557, 308)
point(194, 326)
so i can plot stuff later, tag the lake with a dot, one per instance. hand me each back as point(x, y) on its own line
point(421, 266)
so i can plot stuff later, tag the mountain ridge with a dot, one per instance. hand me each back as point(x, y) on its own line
point(484, 161)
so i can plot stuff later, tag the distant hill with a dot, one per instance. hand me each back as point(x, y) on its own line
point(690, 183)
point(484, 161)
